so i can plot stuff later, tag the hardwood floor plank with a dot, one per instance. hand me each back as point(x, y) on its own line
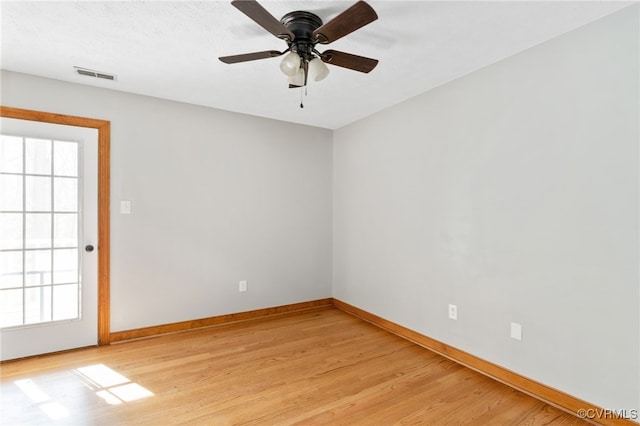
point(314, 367)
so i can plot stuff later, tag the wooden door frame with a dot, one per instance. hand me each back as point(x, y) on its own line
point(104, 141)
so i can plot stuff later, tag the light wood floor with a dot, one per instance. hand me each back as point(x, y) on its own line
point(316, 367)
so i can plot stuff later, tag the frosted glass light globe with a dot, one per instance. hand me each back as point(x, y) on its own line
point(297, 79)
point(290, 64)
point(317, 69)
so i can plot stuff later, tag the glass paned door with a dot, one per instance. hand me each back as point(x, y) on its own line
point(39, 207)
point(48, 198)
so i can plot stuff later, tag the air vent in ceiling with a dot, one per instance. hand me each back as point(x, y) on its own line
point(95, 74)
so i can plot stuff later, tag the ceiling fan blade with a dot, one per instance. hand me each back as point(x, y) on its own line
point(233, 59)
point(357, 16)
point(347, 60)
point(260, 16)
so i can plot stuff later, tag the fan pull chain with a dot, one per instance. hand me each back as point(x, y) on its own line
point(305, 94)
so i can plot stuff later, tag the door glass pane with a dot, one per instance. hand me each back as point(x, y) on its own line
point(10, 154)
point(66, 158)
point(65, 230)
point(37, 305)
point(10, 269)
point(11, 190)
point(10, 307)
point(65, 302)
point(66, 195)
point(38, 193)
point(38, 156)
point(65, 266)
point(11, 230)
point(37, 265)
point(37, 230)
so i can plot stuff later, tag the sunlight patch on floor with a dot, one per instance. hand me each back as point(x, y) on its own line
point(55, 410)
point(107, 384)
point(130, 392)
point(111, 386)
point(102, 376)
point(51, 408)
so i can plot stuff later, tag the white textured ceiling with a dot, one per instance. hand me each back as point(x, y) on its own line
point(169, 49)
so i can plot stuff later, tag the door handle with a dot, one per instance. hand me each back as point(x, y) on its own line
point(88, 248)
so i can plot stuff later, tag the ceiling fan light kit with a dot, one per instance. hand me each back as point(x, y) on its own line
point(302, 31)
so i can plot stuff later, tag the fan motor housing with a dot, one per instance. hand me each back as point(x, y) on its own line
point(302, 24)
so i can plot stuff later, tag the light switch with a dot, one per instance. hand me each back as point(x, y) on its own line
point(125, 207)
point(516, 331)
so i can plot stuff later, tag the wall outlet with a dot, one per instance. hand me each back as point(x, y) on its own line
point(453, 312)
point(516, 331)
point(242, 286)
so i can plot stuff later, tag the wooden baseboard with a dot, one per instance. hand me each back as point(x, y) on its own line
point(138, 333)
point(537, 390)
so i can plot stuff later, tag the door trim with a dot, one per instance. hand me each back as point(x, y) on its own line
point(104, 142)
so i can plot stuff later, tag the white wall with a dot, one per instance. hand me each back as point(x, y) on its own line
point(513, 193)
point(217, 197)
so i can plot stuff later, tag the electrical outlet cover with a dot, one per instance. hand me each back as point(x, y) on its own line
point(453, 312)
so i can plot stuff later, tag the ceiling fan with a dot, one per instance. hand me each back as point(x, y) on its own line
point(302, 31)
